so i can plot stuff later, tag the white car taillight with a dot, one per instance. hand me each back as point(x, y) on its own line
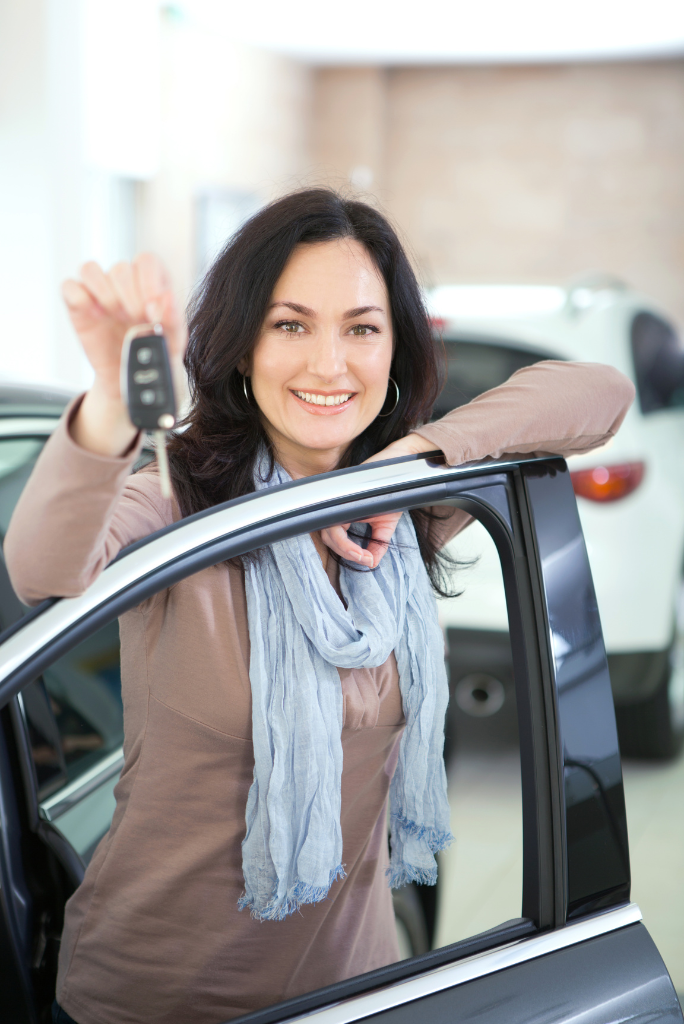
point(608, 483)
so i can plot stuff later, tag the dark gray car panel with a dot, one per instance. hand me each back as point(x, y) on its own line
point(616, 977)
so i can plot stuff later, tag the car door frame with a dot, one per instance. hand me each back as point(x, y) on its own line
point(520, 502)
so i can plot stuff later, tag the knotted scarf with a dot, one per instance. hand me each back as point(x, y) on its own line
point(300, 633)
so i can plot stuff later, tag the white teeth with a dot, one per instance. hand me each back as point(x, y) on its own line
point(323, 399)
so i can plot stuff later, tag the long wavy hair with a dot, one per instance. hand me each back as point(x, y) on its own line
point(213, 459)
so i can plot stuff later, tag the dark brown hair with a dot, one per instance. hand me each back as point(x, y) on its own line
point(213, 460)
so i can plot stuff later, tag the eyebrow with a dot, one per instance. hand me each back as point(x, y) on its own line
point(361, 311)
point(351, 314)
point(295, 307)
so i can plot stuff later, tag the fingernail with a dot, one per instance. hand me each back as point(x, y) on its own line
point(153, 311)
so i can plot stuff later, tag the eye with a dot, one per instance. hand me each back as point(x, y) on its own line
point(290, 326)
point(361, 330)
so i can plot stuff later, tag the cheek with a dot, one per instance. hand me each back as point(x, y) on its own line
point(271, 365)
point(374, 369)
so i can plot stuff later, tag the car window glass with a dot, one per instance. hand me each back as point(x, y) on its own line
point(481, 883)
point(658, 356)
point(475, 366)
point(480, 875)
point(17, 459)
point(75, 711)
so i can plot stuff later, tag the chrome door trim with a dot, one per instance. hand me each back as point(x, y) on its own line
point(231, 519)
point(68, 796)
point(477, 966)
point(21, 426)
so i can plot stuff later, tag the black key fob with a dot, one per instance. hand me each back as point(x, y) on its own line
point(147, 390)
point(146, 379)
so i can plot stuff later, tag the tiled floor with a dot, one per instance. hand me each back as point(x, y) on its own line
point(655, 817)
point(481, 874)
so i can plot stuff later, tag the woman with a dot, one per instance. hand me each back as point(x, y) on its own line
point(309, 350)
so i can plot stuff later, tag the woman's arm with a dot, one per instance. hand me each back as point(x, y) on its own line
point(79, 507)
point(553, 408)
point(549, 408)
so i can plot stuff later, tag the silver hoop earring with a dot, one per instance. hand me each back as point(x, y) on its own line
point(382, 415)
point(244, 386)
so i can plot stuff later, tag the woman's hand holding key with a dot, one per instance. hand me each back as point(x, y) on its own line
point(102, 307)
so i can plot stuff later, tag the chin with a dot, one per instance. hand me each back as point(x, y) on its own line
point(323, 444)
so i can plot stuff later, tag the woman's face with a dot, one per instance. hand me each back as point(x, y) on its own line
point(319, 371)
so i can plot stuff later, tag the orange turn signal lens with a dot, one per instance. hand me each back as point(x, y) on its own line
point(608, 483)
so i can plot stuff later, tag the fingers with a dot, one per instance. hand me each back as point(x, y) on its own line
point(132, 293)
point(77, 297)
point(124, 281)
point(101, 289)
point(335, 537)
point(383, 530)
point(158, 299)
point(153, 281)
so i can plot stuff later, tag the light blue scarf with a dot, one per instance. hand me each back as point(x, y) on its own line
point(299, 634)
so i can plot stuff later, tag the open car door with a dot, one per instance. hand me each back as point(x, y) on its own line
point(577, 950)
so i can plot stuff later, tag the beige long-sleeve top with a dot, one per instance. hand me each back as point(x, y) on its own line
point(153, 934)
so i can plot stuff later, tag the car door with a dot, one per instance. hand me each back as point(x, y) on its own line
point(578, 947)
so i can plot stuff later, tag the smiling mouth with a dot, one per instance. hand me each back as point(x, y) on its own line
point(342, 398)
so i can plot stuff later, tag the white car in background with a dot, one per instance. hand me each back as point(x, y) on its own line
point(630, 496)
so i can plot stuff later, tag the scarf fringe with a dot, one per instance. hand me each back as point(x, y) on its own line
point(403, 874)
point(296, 897)
point(436, 839)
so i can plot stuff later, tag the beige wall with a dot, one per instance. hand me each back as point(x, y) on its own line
point(519, 174)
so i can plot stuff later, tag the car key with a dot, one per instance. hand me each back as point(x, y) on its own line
point(147, 389)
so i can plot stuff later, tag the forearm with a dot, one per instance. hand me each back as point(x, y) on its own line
point(102, 424)
point(552, 407)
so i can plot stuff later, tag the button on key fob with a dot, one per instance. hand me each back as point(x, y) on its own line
point(147, 389)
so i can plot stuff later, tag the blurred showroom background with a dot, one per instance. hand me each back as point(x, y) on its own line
point(516, 144)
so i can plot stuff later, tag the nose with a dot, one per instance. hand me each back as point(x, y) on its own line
point(327, 359)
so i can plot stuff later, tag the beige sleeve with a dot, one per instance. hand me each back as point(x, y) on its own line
point(554, 408)
point(550, 408)
point(77, 511)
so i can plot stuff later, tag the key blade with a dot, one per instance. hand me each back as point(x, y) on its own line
point(163, 463)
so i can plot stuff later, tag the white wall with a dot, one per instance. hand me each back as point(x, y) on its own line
point(114, 120)
point(234, 126)
point(63, 197)
point(25, 237)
